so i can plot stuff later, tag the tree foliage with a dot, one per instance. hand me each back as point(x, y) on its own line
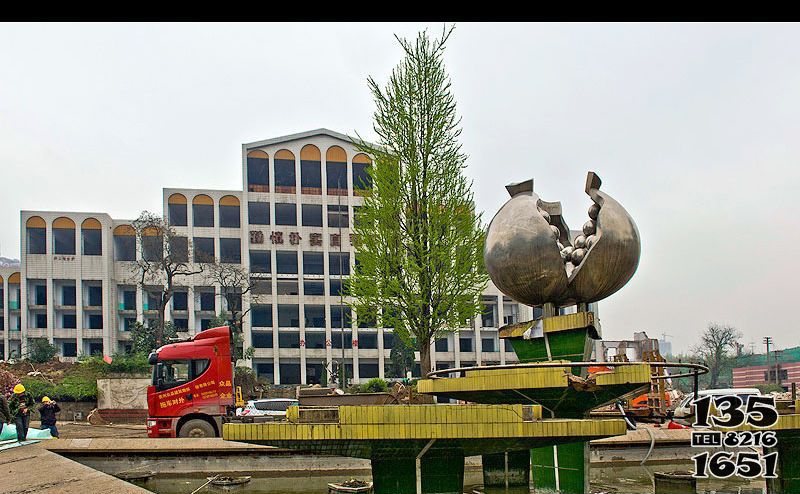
point(121, 363)
point(419, 237)
point(401, 358)
point(7, 382)
point(766, 389)
point(144, 338)
point(374, 385)
point(40, 350)
point(715, 347)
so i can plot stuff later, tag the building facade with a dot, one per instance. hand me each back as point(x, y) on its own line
point(782, 373)
point(289, 227)
point(10, 314)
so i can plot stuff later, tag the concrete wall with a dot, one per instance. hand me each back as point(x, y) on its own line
point(68, 409)
point(122, 393)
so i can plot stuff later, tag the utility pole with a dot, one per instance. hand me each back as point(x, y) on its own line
point(768, 342)
point(778, 366)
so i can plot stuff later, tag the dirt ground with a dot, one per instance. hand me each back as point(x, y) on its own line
point(75, 430)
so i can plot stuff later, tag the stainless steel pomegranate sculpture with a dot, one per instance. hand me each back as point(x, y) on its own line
point(532, 257)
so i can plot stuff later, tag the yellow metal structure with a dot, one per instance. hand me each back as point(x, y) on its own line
point(425, 422)
point(530, 378)
point(551, 324)
point(239, 398)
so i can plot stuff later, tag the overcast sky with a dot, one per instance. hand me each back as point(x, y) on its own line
point(694, 128)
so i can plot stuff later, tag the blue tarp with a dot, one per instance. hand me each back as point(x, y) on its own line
point(10, 432)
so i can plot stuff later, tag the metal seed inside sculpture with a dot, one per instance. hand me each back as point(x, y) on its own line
point(526, 263)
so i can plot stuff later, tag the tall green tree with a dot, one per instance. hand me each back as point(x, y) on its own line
point(419, 238)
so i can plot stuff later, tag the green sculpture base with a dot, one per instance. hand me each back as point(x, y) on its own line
point(439, 474)
point(565, 337)
point(788, 449)
point(563, 468)
point(509, 469)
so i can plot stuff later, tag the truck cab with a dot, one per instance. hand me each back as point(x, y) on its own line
point(192, 388)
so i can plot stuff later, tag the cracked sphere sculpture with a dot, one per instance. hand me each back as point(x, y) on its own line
point(532, 257)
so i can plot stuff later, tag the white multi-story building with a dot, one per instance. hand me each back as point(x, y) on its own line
point(289, 227)
point(10, 316)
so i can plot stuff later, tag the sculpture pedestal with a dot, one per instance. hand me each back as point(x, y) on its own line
point(788, 449)
point(563, 468)
point(441, 472)
point(509, 469)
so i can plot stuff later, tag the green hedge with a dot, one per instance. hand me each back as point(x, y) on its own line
point(73, 387)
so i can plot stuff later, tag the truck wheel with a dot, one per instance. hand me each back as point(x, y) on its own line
point(196, 428)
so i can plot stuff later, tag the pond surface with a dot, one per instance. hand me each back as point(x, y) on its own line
point(604, 480)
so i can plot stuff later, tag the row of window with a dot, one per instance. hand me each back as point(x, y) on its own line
point(365, 340)
point(204, 300)
point(291, 287)
point(64, 237)
point(286, 262)
point(310, 214)
point(289, 316)
point(38, 320)
point(203, 213)
point(203, 249)
point(284, 175)
point(70, 348)
point(93, 296)
point(315, 373)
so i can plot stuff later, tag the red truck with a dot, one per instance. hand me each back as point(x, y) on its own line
point(192, 389)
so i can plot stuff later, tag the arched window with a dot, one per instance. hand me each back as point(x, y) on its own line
point(64, 236)
point(257, 171)
point(37, 235)
point(336, 171)
point(284, 172)
point(362, 181)
point(202, 211)
point(152, 244)
point(92, 237)
point(124, 243)
point(310, 170)
point(229, 212)
point(176, 210)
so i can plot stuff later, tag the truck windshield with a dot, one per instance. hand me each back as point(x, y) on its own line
point(171, 373)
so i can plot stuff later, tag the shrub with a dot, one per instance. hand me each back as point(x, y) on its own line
point(41, 351)
point(39, 387)
point(121, 363)
point(769, 388)
point(74, 387)
point(7, 381)
point(374, 385)
point(77, 388)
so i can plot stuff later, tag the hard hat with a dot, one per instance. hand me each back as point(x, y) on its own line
point(19, 388)
point(46, 399)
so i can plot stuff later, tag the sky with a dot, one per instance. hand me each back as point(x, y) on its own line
point(692, 127)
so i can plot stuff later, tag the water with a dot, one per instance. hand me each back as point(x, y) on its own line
point(605, 480)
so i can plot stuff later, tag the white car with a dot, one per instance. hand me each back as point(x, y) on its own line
point(272, 407)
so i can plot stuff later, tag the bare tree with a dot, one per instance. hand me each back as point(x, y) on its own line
point(164, 259)
point(715, 344)
point(235, 283)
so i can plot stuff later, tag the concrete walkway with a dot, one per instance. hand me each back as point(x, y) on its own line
point(31, 468)
point(153, 446)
